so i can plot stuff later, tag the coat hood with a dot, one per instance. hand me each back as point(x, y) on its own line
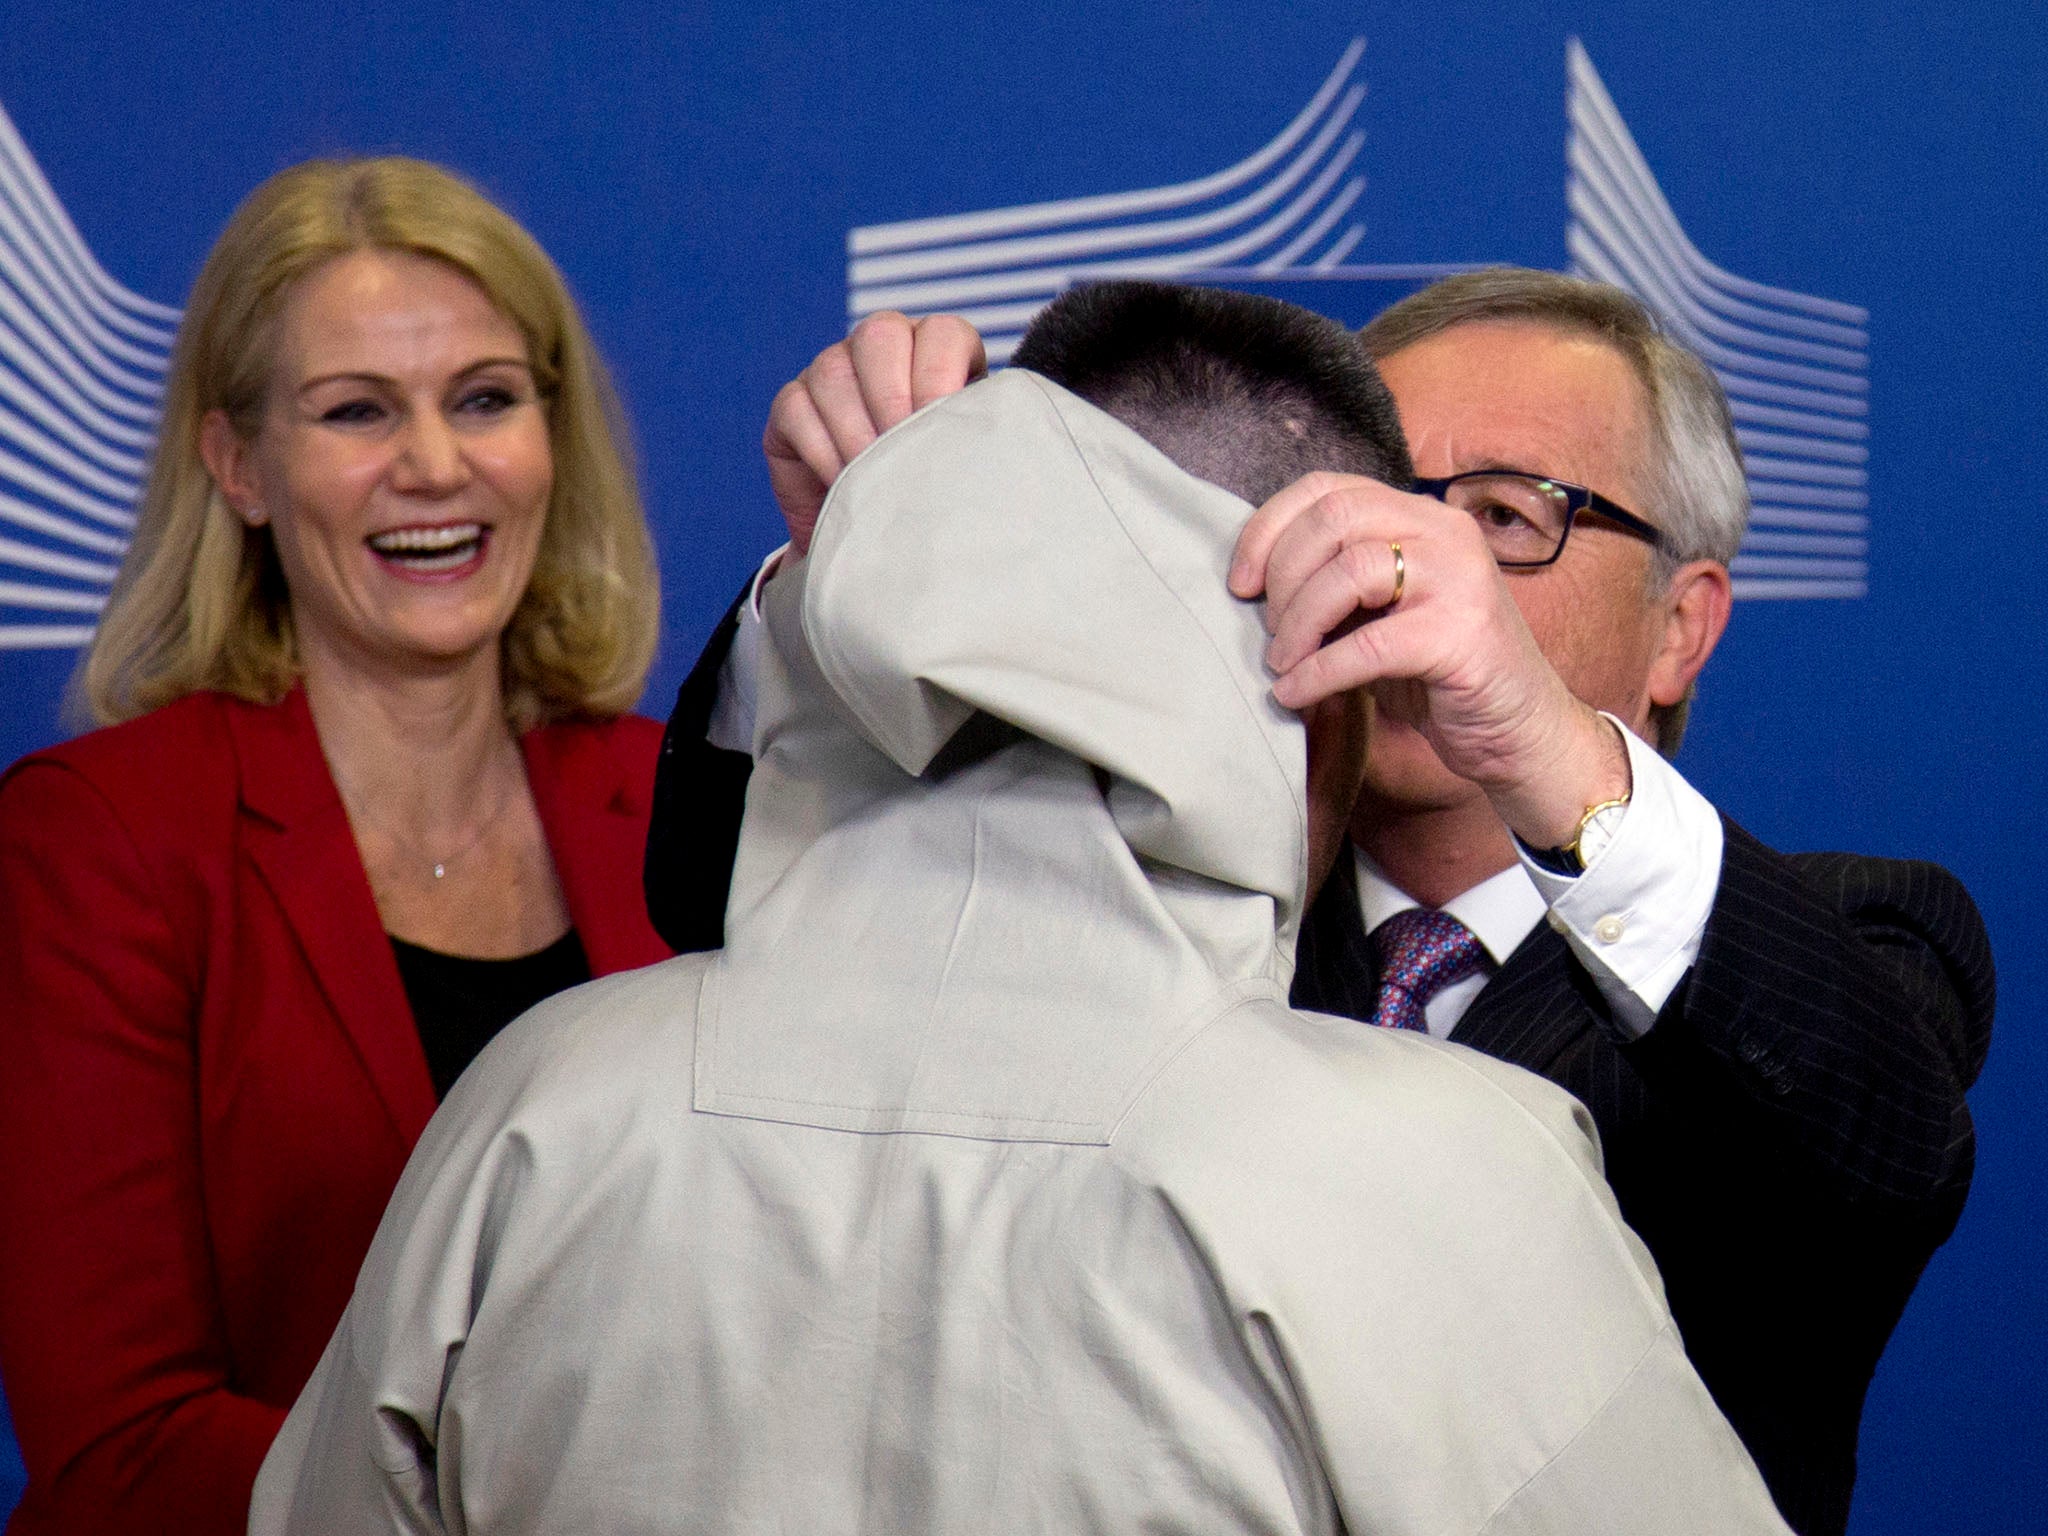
point(1021, 791)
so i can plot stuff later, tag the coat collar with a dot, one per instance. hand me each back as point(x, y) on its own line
point(593, 811)
point(593, 791)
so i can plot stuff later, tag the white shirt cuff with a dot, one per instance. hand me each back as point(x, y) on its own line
point(1635, 918)
point(732, 716)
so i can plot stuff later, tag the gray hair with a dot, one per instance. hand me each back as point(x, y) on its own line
point(1699, 495)
point(1692, 467)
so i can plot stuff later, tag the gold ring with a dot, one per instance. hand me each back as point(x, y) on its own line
point(1400, 572)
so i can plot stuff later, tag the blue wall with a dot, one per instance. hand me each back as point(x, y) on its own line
point(696, 176)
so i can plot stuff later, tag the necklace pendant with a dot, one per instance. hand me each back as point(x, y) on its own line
point(440, 871)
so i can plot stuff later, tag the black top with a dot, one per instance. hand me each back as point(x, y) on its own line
point(458, 1004)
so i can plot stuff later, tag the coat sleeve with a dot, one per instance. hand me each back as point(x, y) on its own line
point(372, 1444)
point(348, 1458)
point(364, 1447)
point(1844, 1005)
point(700, 794)
point(1810, 1146)
point(111, 1338)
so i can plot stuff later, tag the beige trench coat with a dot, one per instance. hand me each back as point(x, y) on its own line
point(986, 1182)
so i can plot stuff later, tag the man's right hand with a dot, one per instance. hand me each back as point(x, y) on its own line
point(1443, 646)
point(853, 392)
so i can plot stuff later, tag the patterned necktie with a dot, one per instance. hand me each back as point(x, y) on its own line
point(1421, 951)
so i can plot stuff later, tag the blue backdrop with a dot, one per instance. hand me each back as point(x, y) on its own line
point(696, 173)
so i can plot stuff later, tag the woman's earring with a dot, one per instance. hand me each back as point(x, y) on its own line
point(254, 515)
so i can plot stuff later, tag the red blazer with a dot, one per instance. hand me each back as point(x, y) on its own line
point(210, 1080)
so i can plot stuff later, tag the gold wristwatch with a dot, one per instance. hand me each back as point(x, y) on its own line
point(1595, 831)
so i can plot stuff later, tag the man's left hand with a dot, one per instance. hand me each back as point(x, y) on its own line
point(853, 392)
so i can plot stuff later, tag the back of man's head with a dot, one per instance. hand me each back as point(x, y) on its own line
point(1244, 391)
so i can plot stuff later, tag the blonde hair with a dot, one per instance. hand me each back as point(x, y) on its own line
point(200, 601)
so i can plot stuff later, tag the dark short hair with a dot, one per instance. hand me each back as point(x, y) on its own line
point(1244, 391)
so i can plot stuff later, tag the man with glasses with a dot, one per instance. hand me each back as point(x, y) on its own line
point(1775, 1047)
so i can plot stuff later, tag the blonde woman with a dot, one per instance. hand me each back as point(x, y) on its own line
point(366, 790)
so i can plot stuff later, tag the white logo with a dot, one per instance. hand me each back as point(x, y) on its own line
point(81, 374)
point(82, 358)
point(1795, 367)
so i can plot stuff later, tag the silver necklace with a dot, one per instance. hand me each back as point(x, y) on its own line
point(438, 863)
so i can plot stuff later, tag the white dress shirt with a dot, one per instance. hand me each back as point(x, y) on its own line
point(1634, 918)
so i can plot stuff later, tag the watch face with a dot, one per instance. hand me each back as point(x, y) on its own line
point(1598, 832)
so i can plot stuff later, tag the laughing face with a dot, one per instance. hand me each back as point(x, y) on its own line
point(402, 463)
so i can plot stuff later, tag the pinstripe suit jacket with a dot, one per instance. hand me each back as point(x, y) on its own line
point(1790, 1139)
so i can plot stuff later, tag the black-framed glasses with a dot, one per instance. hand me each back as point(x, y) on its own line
point(1526, 518)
